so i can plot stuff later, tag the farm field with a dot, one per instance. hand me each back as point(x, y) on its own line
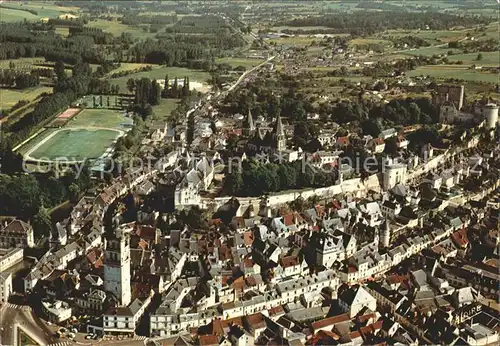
point(195, 76)
point(429, 51)
point(44, 9)
point(128, 66)
point(235, 62)
point(9, 97)
point(116, 28)
point(292, 28)
point(12, 15)
point(489, 58)
point(293, 41)
point(454, 71)
point(364, 41)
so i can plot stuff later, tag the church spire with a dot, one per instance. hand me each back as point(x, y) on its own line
point(279, 135)
point(278, 127)
point(250, 125)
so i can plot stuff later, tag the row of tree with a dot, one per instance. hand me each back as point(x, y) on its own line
point(18, 80)
point(256, 179)
point(359, 23)
point(175, 90)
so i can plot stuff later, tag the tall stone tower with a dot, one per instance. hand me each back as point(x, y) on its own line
point(117, 266)
point(386, 234)
point(279, 135)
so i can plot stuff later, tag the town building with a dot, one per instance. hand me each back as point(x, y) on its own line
point(16, 233)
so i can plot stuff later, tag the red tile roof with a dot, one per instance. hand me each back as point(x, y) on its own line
point(276, 310)
point(460, 237)
point(343, 140)
point(289, 261)
point(288, 219)
point(248, 238)
point(206, 340)
point(330, 321)
point(146, 232)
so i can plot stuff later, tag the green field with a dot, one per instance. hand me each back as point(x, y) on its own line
point(163, 110)
point(294, 40)
point(75, 144)
point(292, 28)
point(15, 13)
point(11, 15)
point(88, 135)
point(489, 58)
point(9, 97)
point(454, 71)
point(159, 72)
point(116, 28)
point(235, 62)
point(100, 118)
point(128, 66)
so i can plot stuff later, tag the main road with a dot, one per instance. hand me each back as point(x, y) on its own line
point(14, 318)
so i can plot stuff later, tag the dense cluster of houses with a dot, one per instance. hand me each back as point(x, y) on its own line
point(413, 261)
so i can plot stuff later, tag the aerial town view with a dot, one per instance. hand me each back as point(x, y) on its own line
point(249, 172)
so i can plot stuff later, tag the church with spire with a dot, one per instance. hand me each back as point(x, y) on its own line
point(260, 140)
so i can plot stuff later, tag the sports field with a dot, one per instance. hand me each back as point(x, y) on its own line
point(88, 135)
point(74, 144)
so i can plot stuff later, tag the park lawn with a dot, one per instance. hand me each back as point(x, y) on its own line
point(76, 144)
point(489, 58)
point(102, 118)
point(159, 72)
point(454, 71)
point(235, 62)
point(9, 97)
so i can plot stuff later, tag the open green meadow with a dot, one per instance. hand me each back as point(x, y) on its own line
point(13, 15)
point(165, 108)
point(235, 62)
point(488, 59)
point(454, 71)
point(100, 118)
point(116, 28)
point(9, 97)
point(293, 28)
point(16, 11)
point(159, 72)
point(429, 51)
point(128, 66)
point(293, 40)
